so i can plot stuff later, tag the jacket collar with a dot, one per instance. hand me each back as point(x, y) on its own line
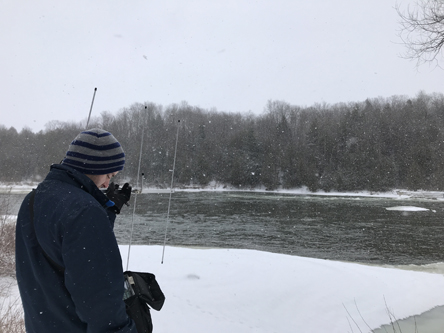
point(67, 174)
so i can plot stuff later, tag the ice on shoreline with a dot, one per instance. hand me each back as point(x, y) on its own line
point(399, 194)
point(407, 209)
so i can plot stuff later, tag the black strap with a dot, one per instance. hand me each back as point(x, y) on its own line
point(56, 266)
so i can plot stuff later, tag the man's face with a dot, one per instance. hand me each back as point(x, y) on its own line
point(102, 181)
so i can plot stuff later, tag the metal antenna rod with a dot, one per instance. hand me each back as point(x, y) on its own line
point(89, 116)
point(171, 191)
point(140, 155)
point(132, 229)
point(135, 199)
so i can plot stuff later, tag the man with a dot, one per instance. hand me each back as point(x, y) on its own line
point(69, 269)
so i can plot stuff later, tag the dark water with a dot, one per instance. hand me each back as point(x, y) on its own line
point(356, 229)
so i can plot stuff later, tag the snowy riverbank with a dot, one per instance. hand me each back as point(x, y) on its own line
point(396, 194)
point(226, 290)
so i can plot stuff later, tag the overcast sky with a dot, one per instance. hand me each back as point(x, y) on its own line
point(232, 55)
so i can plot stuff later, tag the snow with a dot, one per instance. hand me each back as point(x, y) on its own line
point(17, 188)
point(229, 290)
point(23, 188)
point(243, 291)
point(393, 194)
point(9, 295)
point(407, 208)
point(8, 218)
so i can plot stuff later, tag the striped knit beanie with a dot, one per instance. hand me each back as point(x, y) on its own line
point(95, 152)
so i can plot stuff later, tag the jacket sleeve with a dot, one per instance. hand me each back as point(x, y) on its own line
point(93, 271)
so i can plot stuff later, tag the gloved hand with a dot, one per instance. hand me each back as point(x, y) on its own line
point(119, 197)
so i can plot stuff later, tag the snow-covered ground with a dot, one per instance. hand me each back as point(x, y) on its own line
point(17, 188)
point(226, 290)
point(8, 218)
point(243, 291)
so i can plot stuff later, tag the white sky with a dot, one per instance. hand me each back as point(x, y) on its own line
point(232, 55)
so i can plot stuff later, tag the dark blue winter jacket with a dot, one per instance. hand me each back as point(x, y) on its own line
point(75, 230)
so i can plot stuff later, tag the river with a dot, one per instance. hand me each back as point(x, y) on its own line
point(336, 227)
point(355, 229)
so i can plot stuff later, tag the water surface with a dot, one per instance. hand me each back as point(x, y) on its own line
point(357, 229)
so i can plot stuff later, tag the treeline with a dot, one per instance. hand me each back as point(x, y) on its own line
point(376, 145)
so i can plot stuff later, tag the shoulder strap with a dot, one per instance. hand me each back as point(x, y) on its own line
point(56, 266)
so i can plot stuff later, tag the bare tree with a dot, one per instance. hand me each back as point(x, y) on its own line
point(422, 30)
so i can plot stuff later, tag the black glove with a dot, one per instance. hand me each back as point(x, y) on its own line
point(119, 197)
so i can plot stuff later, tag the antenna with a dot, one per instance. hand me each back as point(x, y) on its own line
point(135, 198)
point(171, 191)
point(89, 116)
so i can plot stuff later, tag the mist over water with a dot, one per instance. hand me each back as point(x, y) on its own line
point(356, 229)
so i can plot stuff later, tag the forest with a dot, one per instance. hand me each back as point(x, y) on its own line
point(379, 144)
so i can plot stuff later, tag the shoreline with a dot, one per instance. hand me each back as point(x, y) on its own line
point(395, 194)
point(432, 268)
point(431, 321)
